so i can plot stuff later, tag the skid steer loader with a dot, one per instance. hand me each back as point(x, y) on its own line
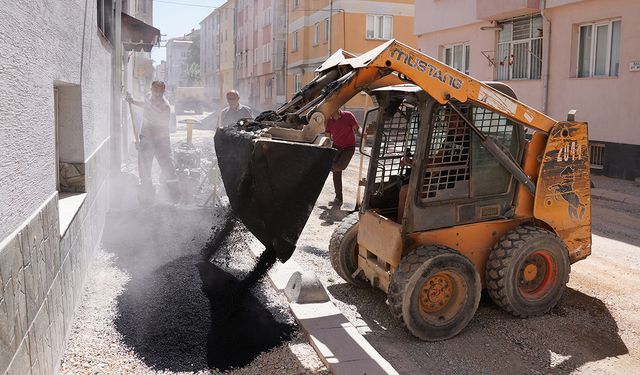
point(466, 188)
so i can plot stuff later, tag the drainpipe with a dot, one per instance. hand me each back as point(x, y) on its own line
point(546, 41)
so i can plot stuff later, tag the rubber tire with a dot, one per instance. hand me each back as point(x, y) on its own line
point(505, 260)
point(342, 250)
point(416, 268)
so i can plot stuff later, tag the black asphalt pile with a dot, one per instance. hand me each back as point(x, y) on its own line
point(163, 314)
point(241, 327)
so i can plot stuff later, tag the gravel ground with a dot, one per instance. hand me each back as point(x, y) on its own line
point(144, 309)
point(594, 329)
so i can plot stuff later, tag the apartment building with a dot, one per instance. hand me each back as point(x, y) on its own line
point(317, 28)
point(260, 52)
point(177, 53)
point(217, 52)
point(557, 55)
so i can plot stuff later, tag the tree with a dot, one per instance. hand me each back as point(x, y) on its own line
point(193, 59)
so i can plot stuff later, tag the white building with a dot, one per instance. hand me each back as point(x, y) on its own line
point(177, 53)
point(60, 133)
point(161, 71)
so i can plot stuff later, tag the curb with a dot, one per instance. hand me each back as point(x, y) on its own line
point(614, 196)
point(336, 341)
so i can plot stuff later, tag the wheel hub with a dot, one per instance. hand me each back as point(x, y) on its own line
point(536, 274)
point(436, 293)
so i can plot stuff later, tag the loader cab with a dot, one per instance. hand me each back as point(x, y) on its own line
point(428, 170)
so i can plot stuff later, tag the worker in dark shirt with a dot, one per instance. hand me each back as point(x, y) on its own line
point(234, 111)
point(341, 127)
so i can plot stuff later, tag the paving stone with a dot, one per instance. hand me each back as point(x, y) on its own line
point(35, 233)
point(40, 341)
point(12, 301)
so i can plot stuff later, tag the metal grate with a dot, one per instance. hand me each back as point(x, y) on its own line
point(596, 155)
point(448, 157)
point(399, 134)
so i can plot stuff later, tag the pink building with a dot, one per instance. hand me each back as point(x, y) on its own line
point(261, 35)
point(557, 55)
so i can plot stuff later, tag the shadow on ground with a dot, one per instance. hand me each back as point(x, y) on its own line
point(332, 214)
point(177, 312)
point(577, 331)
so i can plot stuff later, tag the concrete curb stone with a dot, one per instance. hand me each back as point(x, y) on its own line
point(336, 341)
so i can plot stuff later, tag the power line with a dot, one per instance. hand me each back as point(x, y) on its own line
point(184, 4)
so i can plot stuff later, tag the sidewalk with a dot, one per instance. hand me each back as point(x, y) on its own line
point(617, 190)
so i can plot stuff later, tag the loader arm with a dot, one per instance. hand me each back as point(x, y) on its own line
point(394, 63)
point(274, 168)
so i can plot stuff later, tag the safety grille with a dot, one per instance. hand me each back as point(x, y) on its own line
point(399, 135)
point(448, 157)
point(596, 155)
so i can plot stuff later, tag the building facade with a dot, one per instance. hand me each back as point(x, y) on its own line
point(318, 28)
point(59, 121)
point(177, 54)
point(557, 55)
point(260, 41)
point(217, 52)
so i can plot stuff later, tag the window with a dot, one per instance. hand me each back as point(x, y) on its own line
point(255, 56)
point(67, 114)
point(266, 53)
point(268, 89)
point(326, 30)
point(295, 41)
point(519, 53)
point(599, 49)
point(457, 56)
point(296, 3)
point(105, 17)
point(297, 82)
point(316, 33)
point(267, 17)
point(596, 155)
point(379, 27)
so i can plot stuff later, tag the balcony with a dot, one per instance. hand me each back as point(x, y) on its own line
point(490, 10)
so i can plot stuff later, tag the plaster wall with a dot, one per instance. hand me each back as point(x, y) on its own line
point(607, 103)
point(43, 43)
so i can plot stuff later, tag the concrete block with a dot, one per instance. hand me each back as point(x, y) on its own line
point(337, 345)
point(281, 273)
point(21, 364)
point(340, 346)
point(314, 316)
point(361, 367)
point(304, 287)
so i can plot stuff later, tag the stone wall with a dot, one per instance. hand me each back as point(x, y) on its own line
point(42, 273)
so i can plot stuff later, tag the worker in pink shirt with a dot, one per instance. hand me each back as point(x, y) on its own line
point(342, 127)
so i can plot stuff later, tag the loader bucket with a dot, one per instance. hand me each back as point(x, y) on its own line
point(272, 185)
